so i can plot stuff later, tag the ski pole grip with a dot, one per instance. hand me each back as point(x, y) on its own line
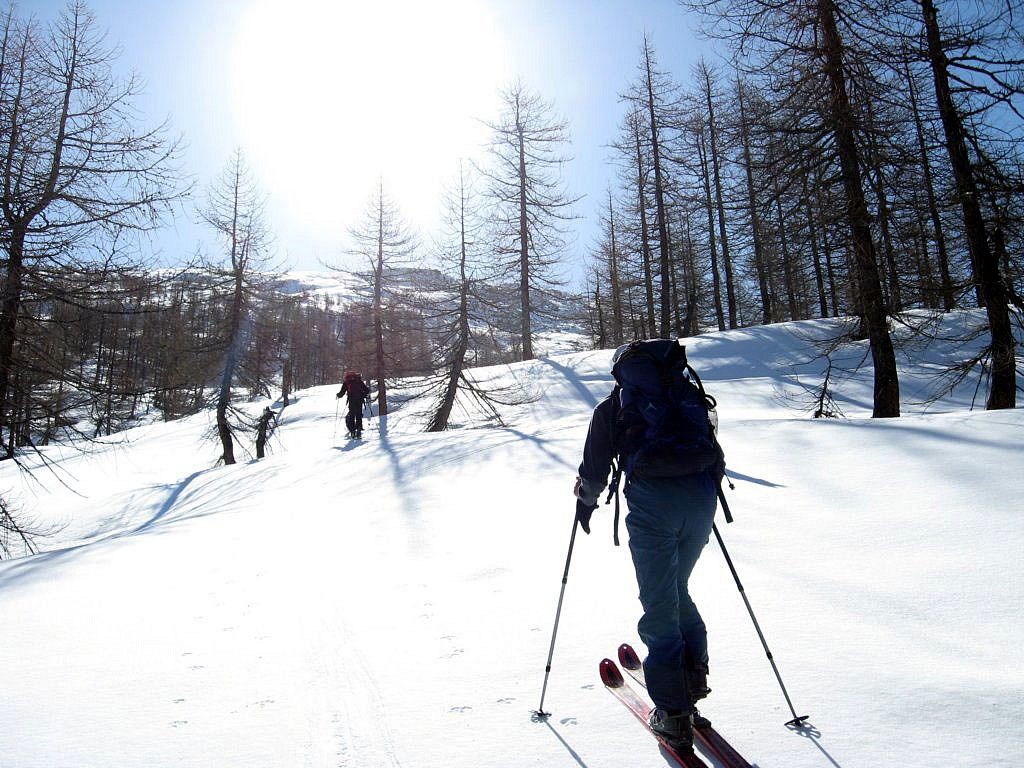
point(725, 505)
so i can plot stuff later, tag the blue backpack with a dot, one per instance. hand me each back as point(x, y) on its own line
point(663, 427)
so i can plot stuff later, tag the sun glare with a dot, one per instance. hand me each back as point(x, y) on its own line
point(330, 95)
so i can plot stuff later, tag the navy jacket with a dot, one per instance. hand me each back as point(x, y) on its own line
point(598, 451)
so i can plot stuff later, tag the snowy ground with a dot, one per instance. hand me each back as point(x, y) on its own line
point(391, 603)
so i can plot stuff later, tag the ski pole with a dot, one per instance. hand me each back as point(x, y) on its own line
point(540, 714)
point(334, 435)
point(798, 720)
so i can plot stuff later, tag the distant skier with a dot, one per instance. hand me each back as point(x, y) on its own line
point(357, 392)
point(264, 429)
point(656, 422)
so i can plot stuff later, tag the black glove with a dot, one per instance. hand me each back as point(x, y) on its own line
point(337, 396)
point(583, 513)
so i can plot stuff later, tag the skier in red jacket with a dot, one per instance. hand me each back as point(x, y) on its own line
point(357, 392)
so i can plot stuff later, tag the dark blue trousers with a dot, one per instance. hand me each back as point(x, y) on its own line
point(669, 522)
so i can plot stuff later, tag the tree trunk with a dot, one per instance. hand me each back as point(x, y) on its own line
point(812, 228)
point(716, 282)
point(645, 237)
point(948, 301)
point(826, 247)
point(10, 307)
point(787, 259)
point(755, 224)
point(230, 363)
point(659, 202)
point(439, 421)
point(602, 336)
point(613, 270)
point(895, 295)
point(524, 251)
point(723, 236)
point(692, 297)
point(1003, 390)
point(886, 385)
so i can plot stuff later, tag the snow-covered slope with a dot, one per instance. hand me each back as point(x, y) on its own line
point(390, 603)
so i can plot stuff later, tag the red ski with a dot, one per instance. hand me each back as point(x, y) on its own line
point(708, 737)
point(614, 682)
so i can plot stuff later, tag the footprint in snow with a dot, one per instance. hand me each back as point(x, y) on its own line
point(460, 709)
point(507, 700)
point(179, 701)
point(568, 721)
point(587, 687)
point(178, 723)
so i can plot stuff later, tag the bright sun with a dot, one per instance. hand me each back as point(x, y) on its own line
point(330, 95)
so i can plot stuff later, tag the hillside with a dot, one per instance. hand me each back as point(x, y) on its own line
point(390, 603)
point(557, 318)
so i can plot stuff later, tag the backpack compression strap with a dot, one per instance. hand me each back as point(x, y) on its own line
point(710, 403)
point(613, 489)
point(613, 486)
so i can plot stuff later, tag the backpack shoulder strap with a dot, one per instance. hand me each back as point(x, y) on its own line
point(613, 486)
point(709, 400)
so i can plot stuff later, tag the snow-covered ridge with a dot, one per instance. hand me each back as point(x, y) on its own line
point(390, 603)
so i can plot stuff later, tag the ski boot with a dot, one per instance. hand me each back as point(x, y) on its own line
point(674, 726)
point(697, 682)
point(699, 721)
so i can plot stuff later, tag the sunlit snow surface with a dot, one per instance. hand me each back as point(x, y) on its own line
point(390, 603)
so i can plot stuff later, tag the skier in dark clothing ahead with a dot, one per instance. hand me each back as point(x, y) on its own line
point(657, 423)
point(357, 392)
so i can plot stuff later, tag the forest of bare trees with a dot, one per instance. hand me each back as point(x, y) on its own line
point(835, 159)
point(839, 159)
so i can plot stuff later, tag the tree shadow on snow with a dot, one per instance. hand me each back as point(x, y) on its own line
point(540, 444)
point(166, 506)
point(409, 501)
point(210, 498)
point(575, 379)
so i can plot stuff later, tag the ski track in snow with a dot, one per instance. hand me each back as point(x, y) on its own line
point(362, 721)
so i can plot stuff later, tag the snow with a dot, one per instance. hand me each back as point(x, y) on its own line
point(390, 603)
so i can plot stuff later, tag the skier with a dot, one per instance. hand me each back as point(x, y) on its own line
point(671, 510)
point(357, 392)
point(264, 429)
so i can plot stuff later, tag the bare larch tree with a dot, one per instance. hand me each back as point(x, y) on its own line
point(530, 203)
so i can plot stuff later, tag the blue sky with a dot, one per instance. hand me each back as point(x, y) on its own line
point(325, 96)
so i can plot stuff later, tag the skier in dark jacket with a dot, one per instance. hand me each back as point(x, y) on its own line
point(357, 392)
point(669, 522)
